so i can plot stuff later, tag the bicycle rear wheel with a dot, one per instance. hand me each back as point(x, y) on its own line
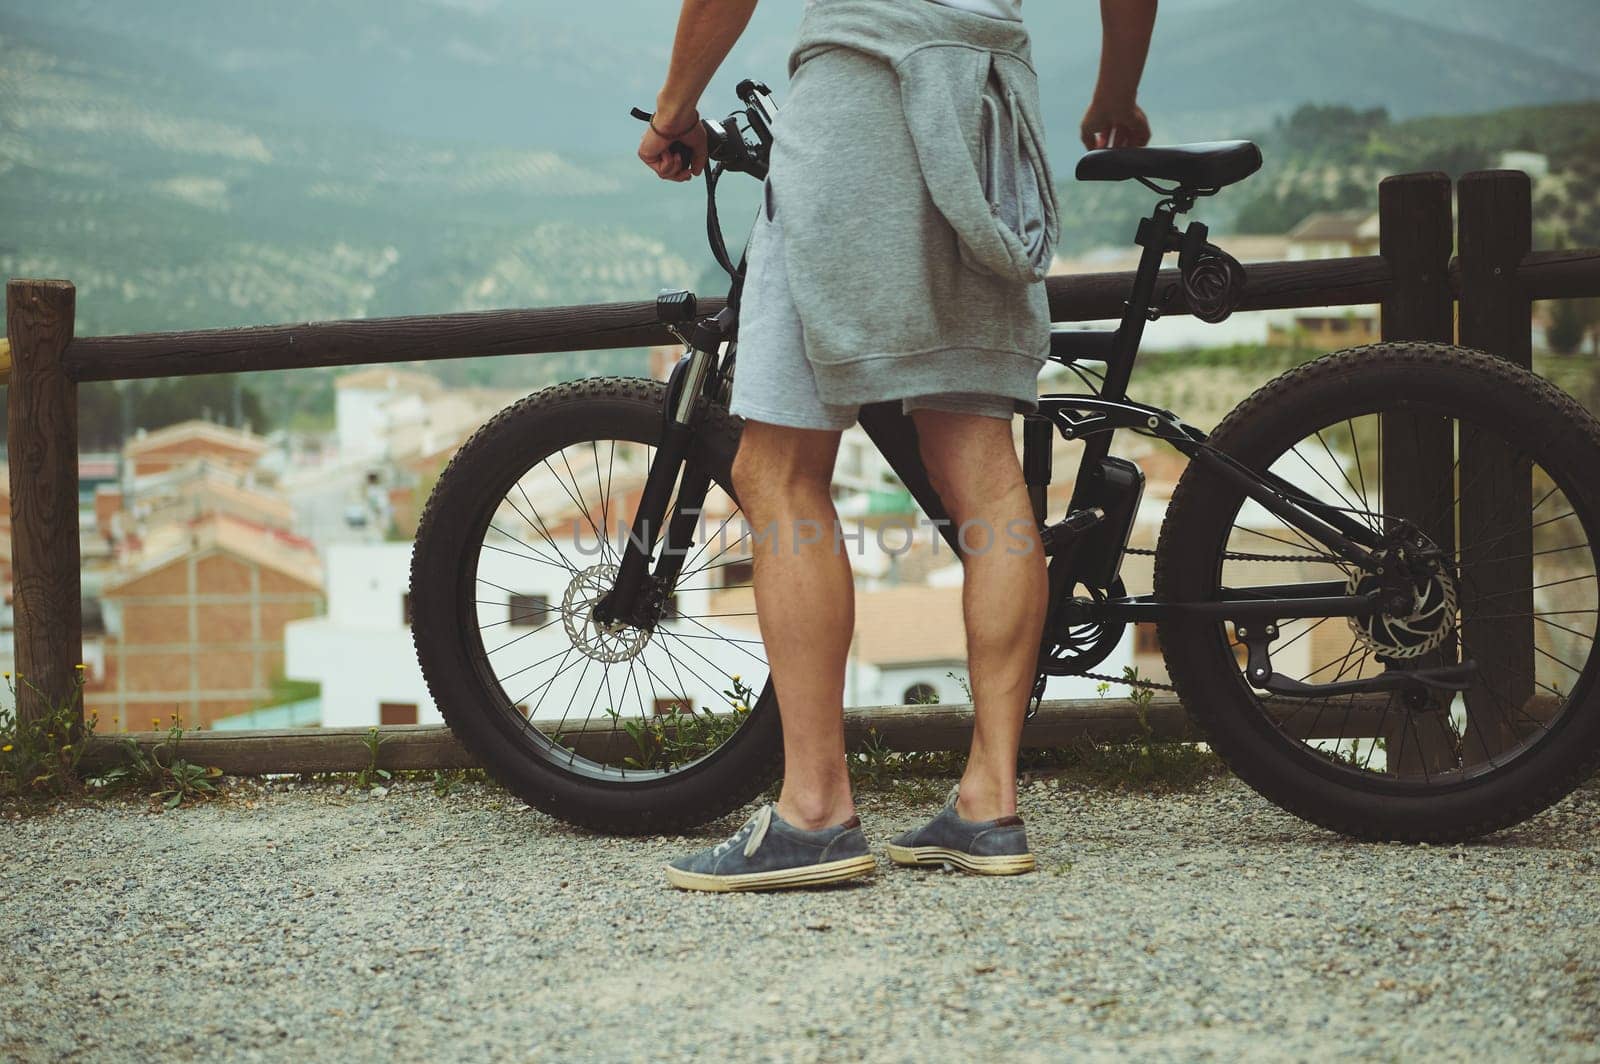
point(1495, 467)
point(633, 728)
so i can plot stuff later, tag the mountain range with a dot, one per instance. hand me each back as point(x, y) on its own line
point(561, 77)
point(195, 163)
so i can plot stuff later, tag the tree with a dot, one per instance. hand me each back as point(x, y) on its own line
point(1565, 332)
point(1571, 320)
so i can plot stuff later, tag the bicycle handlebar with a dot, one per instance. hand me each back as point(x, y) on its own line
point(725, 141)
point(727, 149)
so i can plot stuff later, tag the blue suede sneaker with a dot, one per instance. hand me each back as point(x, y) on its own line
point(996, 847)
point(768, 852)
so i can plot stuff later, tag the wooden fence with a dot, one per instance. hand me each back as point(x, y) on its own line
point(1492, 281)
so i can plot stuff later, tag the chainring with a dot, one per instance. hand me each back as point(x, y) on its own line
point(1082, 643)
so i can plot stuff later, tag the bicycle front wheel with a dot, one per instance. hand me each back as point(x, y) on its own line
point(653, 725)
point(1494, 468)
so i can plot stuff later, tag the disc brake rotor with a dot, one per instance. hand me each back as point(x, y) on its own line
point(610, 643)
point(1425, 628)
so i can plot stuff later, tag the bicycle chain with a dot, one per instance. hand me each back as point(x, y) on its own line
point(1238, 556)
point(1103, 678)
point(1229, 555)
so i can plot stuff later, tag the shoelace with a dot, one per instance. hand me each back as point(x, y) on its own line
point(757, 826)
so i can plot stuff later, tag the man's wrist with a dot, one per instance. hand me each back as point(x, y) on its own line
point(1113, 97)
point(674, 116)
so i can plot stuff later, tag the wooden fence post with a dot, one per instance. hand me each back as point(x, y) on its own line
point(1496, 233)
point(42, 445)
point(1415, 239)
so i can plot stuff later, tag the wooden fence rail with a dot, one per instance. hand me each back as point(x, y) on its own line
point(1059, 723)
point(1082, 297)
point(1414, 278)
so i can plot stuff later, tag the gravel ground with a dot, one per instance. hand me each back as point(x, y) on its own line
point(306, 924)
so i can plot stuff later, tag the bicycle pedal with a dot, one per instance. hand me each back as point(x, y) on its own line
point(1065, 532)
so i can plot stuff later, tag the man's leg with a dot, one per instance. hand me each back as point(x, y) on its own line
point(805, 604)
point(972, 463)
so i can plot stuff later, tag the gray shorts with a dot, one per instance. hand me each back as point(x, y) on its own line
point(772, 379)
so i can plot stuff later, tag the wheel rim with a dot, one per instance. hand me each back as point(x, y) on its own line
point(1494, 582)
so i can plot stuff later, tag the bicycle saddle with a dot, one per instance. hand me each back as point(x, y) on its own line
point(1211, 164)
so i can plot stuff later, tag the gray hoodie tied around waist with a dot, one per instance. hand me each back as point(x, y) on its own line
point(931, 279)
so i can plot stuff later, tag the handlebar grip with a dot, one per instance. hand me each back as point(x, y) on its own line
point(684, 153)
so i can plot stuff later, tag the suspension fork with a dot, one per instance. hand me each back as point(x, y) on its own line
point(689, 379)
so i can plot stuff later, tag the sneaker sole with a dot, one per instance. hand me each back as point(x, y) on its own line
point(777, 879)
point(1011, 864)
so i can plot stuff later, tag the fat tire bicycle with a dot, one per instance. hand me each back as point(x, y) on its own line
point(1373, 586)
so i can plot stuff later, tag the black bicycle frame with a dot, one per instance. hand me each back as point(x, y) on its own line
point(1093, 419)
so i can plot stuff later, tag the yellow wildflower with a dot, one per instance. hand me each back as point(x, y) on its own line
point(6, 749)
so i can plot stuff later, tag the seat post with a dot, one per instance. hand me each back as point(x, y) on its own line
point(1157, 235)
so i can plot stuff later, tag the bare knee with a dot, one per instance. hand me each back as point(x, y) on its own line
point(775, 462)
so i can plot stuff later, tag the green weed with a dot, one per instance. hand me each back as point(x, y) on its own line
point(371, 775)
point(1140, 763)
point(40, 758)
point(669, 740)
point(172, 781)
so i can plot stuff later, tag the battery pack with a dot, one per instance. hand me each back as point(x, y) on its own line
point(1120, 487)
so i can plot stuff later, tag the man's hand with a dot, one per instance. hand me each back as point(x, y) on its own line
point(653, 148)
point(1114, 125)
point(1114, 119)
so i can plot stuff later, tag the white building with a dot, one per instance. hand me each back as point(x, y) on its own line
point(360, 651)
point(370, 403)
point(1535, 164)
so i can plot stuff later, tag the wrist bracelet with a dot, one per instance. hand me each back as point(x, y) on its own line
point(674, 136)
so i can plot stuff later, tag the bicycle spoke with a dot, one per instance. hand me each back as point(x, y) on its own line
point(516, 553)
point(575, 500)
point(688, 572)
point(561, 667)
point(540, 527)
point(605, 501)
point(520, 638)
point(1355, 449)
point(1342, 498)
